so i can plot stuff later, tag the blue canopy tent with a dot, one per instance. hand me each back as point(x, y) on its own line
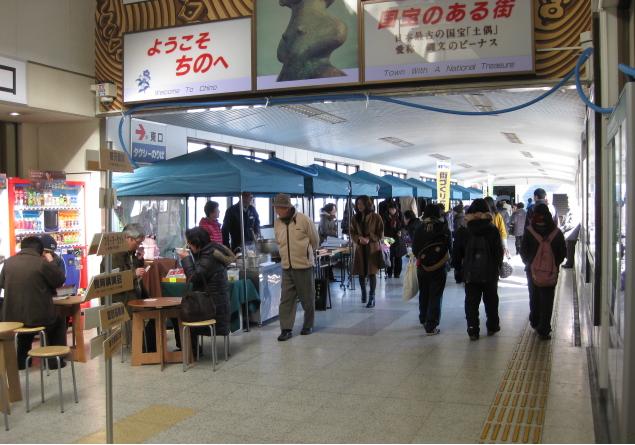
point(316, 182)
point(475, 193)
point(207, 172)
point(424, 189)
point(419, 191)
point(465, 193)
point(358, 186)
point(456, 192)
point(387, 187)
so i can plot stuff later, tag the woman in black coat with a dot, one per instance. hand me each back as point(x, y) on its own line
point(393, 223)
point(206, 271)
point(541, 298)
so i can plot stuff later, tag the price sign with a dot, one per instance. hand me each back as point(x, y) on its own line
point(110, 284)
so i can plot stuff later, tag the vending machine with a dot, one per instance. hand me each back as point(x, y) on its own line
point(56, 208)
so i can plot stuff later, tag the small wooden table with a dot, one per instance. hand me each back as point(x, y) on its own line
point(71, 306)
point(9, 377)
point(159, 310)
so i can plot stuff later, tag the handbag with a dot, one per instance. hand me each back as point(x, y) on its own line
point(197, 305)
point(410, 282)
point(506, 270)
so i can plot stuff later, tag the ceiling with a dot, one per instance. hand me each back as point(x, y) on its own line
point(34, 115)
point(548, 132)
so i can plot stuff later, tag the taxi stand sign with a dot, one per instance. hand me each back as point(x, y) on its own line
point(106, 284)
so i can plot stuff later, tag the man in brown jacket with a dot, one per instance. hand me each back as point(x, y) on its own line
point(297, 238)
point(29, 280)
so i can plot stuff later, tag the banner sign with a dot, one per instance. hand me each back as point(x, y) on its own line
point(298, 46)
point(195, 60)
point(12, 80)
point(148, 141)
point(443, 184)
point(424, 39)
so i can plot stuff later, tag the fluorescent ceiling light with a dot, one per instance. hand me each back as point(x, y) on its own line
point(464, 165)
point(217, 109)
point(512, 137)
point(396, 141)
point(313, 113)
point(196, 110)
point(14, 113)
point(239, 107)
point(439, 156)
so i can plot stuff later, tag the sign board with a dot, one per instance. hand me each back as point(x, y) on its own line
point(424, 39)
point(325, 55)
point(443, 184)
point(114, 160)
point(41, 175)
point(148, 141)
point(110, 283)
point(113, 343)
point(113, 315)
point(12, 80)
point(97, 345)
point(187, 61)
point(108, 243)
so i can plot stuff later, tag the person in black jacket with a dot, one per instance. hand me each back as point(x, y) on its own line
point(393, 223)
point(478, 255)
point(541, 298)
point(231, 223)
point(431, 240)
point(412, 224)
point(205, 269)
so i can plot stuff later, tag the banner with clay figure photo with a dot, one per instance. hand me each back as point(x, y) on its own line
point(306, 43)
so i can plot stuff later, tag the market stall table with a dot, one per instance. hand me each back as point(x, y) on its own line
point(159, 310)
point(9, 377)
point(71, 306)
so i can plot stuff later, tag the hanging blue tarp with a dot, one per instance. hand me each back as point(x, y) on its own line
point(387, 188)
point(455, 191)
point(423, 189)
point(208, 172)
point(358, 186)
point(475, 193)
point(465, 193)
point(317, 182)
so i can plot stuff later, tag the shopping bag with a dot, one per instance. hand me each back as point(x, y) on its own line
point(410, 282)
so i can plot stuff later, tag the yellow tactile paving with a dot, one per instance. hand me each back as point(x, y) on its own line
point(142, 425)
point(517, 413)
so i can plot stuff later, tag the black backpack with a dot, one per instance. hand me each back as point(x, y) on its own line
point(435, 254)
point(477, 260)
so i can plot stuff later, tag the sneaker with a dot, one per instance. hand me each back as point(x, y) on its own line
point(435, 331)
point(491, 332)
point(474, 337)
point(285, 335)
point(306, 331)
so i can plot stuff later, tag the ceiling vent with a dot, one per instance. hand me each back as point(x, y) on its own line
point(314, 113)
point(440, 157)
point(480, 102)
point(537, 164)
point(464, 165)
point(482, 171)
point(512, 137)
point(396, 141)
point(527, 154)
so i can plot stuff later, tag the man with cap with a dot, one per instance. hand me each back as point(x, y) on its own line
point(297, 238)
point(50, 246)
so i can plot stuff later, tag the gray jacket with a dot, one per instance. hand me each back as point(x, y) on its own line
point(327, 227)
point(517, 222)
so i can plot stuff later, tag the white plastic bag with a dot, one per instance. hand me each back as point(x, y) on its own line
point(410, 282)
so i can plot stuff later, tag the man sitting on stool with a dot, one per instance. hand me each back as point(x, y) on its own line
point(29, 280)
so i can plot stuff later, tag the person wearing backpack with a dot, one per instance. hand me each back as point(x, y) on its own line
point(431, 247)
point(478, 255)
point(543, 250)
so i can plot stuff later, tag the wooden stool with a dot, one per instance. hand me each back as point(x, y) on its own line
point(186, 340)
point(34, 330)
point(5, 405)
point(50, 352)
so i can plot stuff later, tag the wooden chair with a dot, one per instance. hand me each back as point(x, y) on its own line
point(48, 352)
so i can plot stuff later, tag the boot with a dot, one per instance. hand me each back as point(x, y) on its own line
point(371, 301)
point(362, 286)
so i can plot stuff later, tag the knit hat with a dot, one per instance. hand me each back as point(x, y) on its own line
point(282, 200)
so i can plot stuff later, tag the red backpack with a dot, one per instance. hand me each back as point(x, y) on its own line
point(544, 272)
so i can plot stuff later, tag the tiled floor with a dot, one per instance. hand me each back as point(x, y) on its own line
point(363, 376)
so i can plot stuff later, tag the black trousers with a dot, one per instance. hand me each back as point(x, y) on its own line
point(55, 336)
point(431, 287)
point(570, 253)
point(543, 302)
point(518, 240)
point(489, 293)
point(533, 302)
point(372, 280)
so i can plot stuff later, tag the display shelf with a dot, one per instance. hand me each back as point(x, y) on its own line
point(41, 232)
point(23, 207)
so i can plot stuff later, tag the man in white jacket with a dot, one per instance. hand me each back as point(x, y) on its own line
point(297, 239)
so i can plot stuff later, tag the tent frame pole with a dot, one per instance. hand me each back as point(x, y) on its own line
point(244, 252)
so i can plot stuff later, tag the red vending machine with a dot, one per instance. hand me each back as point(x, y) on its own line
point(55, 208)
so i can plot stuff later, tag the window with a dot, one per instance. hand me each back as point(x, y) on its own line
point(339, 166)
point(393, 173)
point(426, 179)
point(195, 146)
point(198, 144)
point(240, 151)
point(318, 204)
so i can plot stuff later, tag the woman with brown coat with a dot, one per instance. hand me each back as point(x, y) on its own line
point(367, 230)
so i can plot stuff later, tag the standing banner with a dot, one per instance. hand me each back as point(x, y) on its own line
point(443, 184)
point(302, 46)
point(194, 60)
point(425, 39)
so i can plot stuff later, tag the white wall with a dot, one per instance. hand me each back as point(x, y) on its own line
point(57, 33)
